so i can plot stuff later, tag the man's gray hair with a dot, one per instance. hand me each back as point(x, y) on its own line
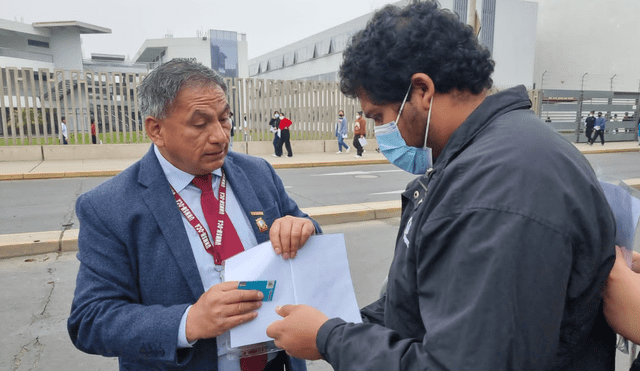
point(159, 89)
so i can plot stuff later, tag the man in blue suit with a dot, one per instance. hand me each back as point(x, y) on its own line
point(147, 290)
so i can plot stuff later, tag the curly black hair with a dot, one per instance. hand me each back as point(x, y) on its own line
point(421, 37)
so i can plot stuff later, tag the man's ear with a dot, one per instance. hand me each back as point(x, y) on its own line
point(154, 131)
point(423, 90)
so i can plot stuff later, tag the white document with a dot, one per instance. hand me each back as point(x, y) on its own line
point(318, 276)
point(626, 210)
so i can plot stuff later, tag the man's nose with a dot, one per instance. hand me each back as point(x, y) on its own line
point(217, 134)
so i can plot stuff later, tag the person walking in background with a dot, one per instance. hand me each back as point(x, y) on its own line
point(590, 122)
point(599, 129)
point(285, 136)
point(63, 124)
point(275, 129)
point(94, 138)
point(341, 132)
point(359, 132)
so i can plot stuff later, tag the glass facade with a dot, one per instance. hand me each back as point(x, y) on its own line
point(224, 52)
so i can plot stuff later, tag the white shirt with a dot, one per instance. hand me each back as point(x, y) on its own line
point(181, 182)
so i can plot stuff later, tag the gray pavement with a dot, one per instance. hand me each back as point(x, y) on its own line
point(107, 167)
point(37, 290)
point(36, 295)
point(30, 242)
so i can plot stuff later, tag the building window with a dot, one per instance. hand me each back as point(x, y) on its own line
point(41, 44)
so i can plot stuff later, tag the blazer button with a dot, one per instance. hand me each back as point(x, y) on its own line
point(416, 194)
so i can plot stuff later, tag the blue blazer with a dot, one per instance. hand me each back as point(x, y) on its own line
point(137, 271)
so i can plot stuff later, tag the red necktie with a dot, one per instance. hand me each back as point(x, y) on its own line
point(231, 245)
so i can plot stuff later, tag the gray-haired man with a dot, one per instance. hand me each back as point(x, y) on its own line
point(149, 288)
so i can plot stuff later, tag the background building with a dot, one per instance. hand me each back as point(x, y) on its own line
point(596, 38)
point(224, 51)
point(508, 29)
point(44, 44)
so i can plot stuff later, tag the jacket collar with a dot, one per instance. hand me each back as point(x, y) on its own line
point(493, 106)
point(161, 203)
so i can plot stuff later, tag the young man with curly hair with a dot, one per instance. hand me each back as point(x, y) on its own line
point(499, 263)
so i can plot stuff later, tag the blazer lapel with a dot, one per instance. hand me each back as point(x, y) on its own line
point(247, 198)
point(162, 204)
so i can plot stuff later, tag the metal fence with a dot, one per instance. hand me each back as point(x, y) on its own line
point(312, 106)
point(34, 102)
point(566, 110)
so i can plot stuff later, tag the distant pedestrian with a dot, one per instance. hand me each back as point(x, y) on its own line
point(246, 131)
point(233, 132)
point(275, 129)
point(359, 133)
point(599, 128)
point(590, 122)
point(285, 136)
point(341, 132)
point(63, 125)
point(94, 138)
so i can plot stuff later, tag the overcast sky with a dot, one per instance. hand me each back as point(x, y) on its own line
point(268, 24)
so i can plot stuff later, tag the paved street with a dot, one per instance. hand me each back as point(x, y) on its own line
point(48, 204)
point(37, 291)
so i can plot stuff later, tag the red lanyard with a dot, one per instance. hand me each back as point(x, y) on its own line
point(197, 225)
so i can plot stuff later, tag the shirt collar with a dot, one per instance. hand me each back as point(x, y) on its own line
point(178, 179)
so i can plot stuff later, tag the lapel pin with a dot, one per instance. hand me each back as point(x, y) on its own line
point(262, 225)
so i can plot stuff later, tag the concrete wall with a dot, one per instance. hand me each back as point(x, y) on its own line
point(192, 47)
point(243, 57)
point(20, 153)
point(137, 150)
point(66, 48)
point(514, 43)
point(94, 152)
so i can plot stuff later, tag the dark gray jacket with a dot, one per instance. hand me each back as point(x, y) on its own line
point(500, 258)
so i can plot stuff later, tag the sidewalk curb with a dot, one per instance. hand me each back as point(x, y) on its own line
point(599, 151)
point(59, 175)
point(35, 243)
point(329, 163)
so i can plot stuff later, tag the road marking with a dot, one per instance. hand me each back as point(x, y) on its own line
point(387, 193)
point(359, 172)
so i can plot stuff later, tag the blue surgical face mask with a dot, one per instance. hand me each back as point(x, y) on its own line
point(395, 149)
point(276, 115)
